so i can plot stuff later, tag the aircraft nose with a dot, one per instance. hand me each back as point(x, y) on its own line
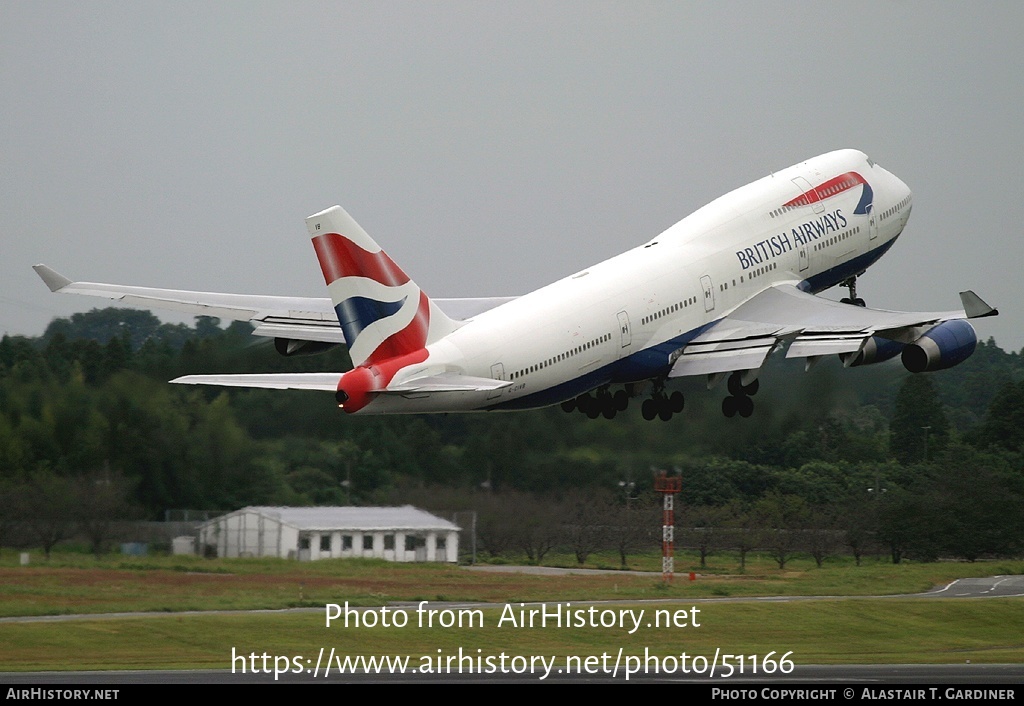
point(902, 190)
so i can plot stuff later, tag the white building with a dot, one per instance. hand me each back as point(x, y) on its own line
point(308, 533)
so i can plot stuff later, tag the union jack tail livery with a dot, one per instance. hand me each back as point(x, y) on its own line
point(382, 312)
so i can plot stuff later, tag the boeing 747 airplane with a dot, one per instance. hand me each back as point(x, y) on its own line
point(712, 296)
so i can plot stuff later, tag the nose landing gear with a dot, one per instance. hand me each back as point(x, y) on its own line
point(853, 298)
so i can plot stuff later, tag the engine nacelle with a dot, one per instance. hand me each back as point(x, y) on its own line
point(289, 347)
point(876, 350)
point(943, 346)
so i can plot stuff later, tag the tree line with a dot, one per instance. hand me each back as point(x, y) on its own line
point(923, 466)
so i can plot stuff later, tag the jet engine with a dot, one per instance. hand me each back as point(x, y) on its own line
point(876, 350)
point(943, 346)
point(290, 347)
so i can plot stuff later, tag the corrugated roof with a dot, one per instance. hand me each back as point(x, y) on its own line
point(357, 519)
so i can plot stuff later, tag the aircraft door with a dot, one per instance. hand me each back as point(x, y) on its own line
point(625, 336)
point(872, 223)
point(709, 293)
point(805, 261)
point(498, 373)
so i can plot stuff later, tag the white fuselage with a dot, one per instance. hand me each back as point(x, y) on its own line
point(622, 320)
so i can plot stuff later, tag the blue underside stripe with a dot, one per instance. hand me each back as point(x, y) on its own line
point(830, 278)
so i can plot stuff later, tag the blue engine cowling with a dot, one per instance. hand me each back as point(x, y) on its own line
point(876, 350)
point(943, 346)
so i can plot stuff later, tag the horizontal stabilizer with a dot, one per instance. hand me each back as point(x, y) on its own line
point(274, 381)
point(329, 382)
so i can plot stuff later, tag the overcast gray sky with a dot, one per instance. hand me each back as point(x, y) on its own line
point(490, 147)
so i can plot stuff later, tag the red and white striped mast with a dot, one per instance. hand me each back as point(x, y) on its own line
point(668, 486)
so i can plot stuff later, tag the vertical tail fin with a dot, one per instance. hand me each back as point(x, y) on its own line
point(382, 312)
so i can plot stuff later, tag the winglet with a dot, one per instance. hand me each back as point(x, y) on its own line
point(53, 279)
point(975, 307)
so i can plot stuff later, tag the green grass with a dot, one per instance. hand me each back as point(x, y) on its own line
point(818, 632)
point(836, 630)
point(76, 583)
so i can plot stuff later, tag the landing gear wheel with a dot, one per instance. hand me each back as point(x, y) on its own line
point(738, 389)
point(745, 406)
point(569, 405)
point(584, 402)
point(859, 302)
point(621, 399)
point(677, 401)
point(649, 409)
point(729, 407)
point(665, 412)
point(735, 384)
point(609, 412)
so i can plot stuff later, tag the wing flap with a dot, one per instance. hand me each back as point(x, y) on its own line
point(326, 332)
point(817, 345)
point(720, 361)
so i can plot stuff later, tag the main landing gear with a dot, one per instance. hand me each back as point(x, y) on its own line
point(738, 401)
point(607, 404)
point(663, 406)
point(853, 298)
point(600, 403)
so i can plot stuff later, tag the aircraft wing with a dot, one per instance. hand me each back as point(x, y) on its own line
point(299, 318)
point(811, 325)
